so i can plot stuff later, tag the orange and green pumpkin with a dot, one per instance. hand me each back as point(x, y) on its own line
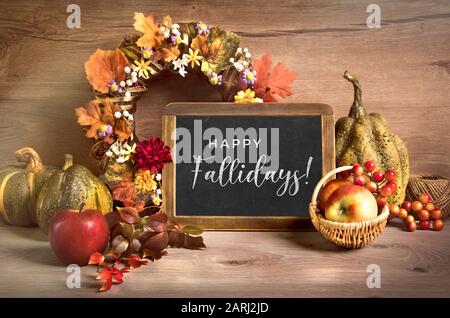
point(20, 186)
point(71, 188)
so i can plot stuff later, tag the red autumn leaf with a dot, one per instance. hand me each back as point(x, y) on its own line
point(104, 67)
point(139, 206)
point(96, 259)
point(152, 255)
point(113, 255)
point(135, 262)
point(125, 269)
point(106, 276)
point(112, 219)
point(106, 285)
point(274, 83)
point(158, 222)
point(128, 214)
point(154, 241)
point(117, 275)
point(182, 240)
point(124, 191)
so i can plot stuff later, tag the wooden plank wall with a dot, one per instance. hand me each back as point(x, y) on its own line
point(404, 66)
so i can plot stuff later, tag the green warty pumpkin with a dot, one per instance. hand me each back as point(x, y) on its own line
point(361, 137)
point(75, 186)
point(19, 188)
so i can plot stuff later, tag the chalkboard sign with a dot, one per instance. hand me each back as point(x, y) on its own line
point(245, 167)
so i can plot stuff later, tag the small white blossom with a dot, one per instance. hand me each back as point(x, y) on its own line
point(130, 118)
point(175, 26)
point(239, 50)
point(120, 159)
point(122, 83)
point(180, 63)
point(117, 115)
point(158, 177)
point(166, 33)
point(176, 32)
point(126, 113)
point(245, 50)
point(134, 74)
point(245, 63)
point(238, 65)
point(127, 94)
point(231, 60)
point(158, 191)
point(109, 153)
point(182, 71)
point(248, 55)
point(134, 79)
point(129, 82)
point(127, 69)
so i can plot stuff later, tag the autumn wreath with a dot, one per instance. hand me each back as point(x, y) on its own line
point(132, 169)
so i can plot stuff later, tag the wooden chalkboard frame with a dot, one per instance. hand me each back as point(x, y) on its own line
point(243, 223)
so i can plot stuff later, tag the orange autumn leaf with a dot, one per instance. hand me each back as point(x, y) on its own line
point(152, 36)
point(104, 67)
point(170, 53)
point(90, 116)
point(200, 44)
point(124, 191)
point(95, 116)
point(271, 84)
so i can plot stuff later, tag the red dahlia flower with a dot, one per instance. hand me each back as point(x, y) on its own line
point(151, 155)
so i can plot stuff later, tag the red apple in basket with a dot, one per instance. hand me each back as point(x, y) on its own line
point(351, 203)
point(75, 235)
point(328, 189)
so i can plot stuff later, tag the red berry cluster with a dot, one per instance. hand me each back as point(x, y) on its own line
point(382, 185)
point(429, 216)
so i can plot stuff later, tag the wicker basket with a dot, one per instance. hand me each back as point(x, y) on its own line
point(438, 187)
point(348, 235)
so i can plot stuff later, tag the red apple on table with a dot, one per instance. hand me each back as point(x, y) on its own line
point(351, 203)
point(328, 189)
point(75, 235)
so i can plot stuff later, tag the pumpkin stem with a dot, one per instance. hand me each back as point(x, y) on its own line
point(68, 162)
point(31, 158)
point(357, 109)
point(81, 207)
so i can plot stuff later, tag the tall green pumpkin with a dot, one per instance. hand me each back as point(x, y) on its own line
point(19, 188)
point(361, 137)
point(75, 186)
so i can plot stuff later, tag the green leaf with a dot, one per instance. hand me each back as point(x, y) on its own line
point(127, 230)
point(223, 45)
point(230, 84)
point(189, 29)
point(192, 230)
point(131, 55)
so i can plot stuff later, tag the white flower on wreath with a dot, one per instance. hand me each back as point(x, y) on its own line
point(121, 152)
point(182, 71)
point(180, 65)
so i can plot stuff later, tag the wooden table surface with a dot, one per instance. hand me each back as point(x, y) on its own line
point(244, 264)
